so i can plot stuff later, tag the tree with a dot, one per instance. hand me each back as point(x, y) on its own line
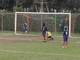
point(27, 3)
point(7, 4)
point(59, 5)
point(19, 2)
point(16, 8)
point(1, 4)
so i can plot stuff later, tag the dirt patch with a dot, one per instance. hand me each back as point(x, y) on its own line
point(12, 38)
point(18, 38)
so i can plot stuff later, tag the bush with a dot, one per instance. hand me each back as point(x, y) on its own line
point(16, 8)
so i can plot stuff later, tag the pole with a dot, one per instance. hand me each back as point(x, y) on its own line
point(28, 23)
point(2, 21)
point(41, 10)
point(15, 22)
point(70, 24)
point(55, 22)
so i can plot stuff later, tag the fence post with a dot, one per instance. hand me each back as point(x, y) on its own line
point(2, 21)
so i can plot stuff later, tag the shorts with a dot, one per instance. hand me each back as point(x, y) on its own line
point(65, 38)
point(43, 34)
point(49, 37)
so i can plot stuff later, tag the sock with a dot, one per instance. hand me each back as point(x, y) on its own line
point(63, 43)
point(66, 43)
point(44, 38)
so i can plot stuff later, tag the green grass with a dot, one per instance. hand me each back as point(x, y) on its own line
point(6, 32)
point(39, 33)
point(38, 51)
point(76, 34)
point(35, 49)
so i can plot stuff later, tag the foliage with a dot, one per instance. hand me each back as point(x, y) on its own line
point(7, 4)
point(8, 22)
point(27, 3)
point(16, 8)
point(77, 24)
point(59, 5)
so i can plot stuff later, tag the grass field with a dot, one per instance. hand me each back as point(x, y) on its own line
point(24, 47)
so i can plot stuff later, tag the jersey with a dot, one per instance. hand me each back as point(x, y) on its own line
point(48, 33)
point(65, 36)
point(25, 26)
point(65, 33)
point(44, 29)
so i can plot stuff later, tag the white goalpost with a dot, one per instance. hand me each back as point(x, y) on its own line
point(41, 13)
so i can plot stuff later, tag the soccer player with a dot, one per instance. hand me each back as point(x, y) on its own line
point(44, 29)
point(25, 27)
point(65, 38)
point(49, 35)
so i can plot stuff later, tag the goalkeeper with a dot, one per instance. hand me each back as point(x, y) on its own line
point(25, 27)
point(49, 35)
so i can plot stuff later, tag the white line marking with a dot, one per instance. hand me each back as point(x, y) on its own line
point(38, 53)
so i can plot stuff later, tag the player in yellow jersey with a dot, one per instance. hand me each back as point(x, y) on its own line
point(49, 35)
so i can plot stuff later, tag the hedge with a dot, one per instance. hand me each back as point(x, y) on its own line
point(8, 21)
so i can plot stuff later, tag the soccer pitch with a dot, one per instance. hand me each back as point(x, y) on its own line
point(22, 47)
